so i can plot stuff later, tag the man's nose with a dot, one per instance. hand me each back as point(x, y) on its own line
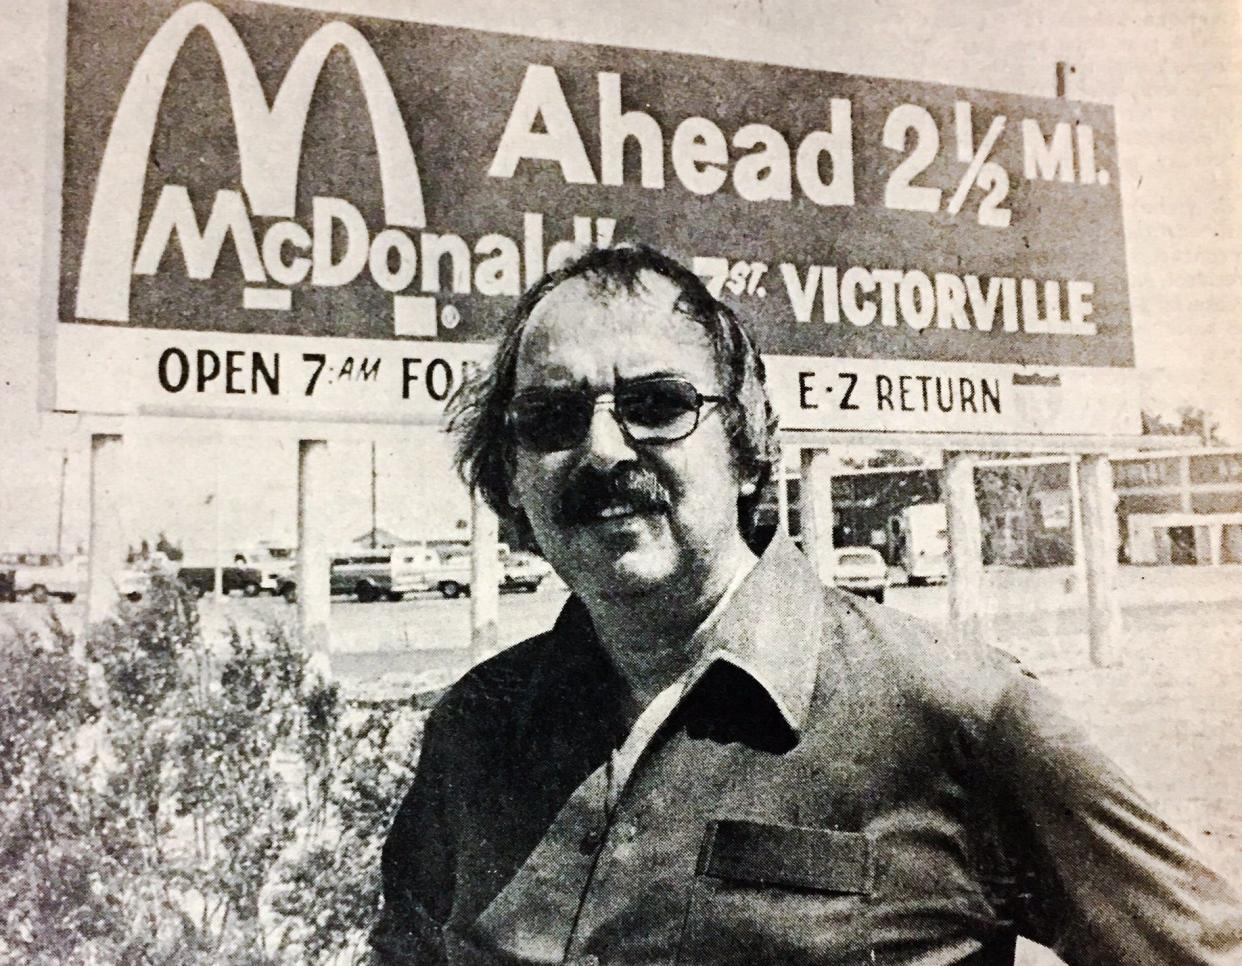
point(606, 443)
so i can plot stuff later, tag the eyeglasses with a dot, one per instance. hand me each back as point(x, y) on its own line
point(652, 411)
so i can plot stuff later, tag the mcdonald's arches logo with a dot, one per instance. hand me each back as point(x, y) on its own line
point(269, 140)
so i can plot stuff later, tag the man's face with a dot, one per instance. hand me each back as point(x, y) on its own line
point(616, 518)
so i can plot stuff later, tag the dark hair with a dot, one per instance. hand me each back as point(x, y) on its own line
point(485, 454)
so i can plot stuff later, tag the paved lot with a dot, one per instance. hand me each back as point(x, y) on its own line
point(1171, 715)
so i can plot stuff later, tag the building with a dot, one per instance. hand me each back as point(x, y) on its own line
point(378, 537)
point(1173, 506)
point(1180, 507)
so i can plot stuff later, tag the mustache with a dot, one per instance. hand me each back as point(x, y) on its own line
point(590, 491)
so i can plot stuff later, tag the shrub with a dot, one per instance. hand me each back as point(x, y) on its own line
point(166, 798)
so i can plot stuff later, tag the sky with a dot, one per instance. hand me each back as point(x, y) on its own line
point(1173, 72)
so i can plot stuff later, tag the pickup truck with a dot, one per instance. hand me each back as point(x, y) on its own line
point(202, 580)
point(65, 580)
point(51, 578)
point(520, 571)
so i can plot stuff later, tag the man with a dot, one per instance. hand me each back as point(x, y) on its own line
point(712, 758)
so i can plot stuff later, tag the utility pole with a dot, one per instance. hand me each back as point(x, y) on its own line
point(1063, 71)
point(373, 500)
point(60, 508)
point(219, 527)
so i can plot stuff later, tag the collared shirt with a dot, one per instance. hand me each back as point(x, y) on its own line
point(830, 784)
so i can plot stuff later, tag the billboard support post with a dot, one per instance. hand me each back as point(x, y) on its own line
point(965, 545)
point(815, 504)
point(313, 580)
point(484, 579)
point(782, 497)
point(1075, 490)
point(107, 539)
point(1100, 546)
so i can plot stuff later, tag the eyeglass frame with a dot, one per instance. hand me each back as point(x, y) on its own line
point(609, 397)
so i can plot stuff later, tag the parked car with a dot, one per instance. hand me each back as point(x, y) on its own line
point(132, 583)
point(277, 566)
point(861, 571)
point(287, 587)
point(519, 571)
point(522, 570)
point(202, 580)
point(278, 576)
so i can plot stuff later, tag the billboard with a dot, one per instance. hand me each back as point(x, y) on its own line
point(292, 214)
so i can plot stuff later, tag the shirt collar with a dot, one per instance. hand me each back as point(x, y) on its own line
point(770, 627)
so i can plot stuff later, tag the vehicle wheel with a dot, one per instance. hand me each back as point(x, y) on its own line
point(879, 596)
point(450, 588)
point(290, 593)
point(395, 595)
point(916, 581)
point(68, 598)
point(38, 593)
point(365, 593)
point(251, 589)
point(133, 596)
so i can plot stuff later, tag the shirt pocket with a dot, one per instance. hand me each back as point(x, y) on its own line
point(778, 893)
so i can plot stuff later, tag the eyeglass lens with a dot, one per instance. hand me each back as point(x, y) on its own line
point(653, 410)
